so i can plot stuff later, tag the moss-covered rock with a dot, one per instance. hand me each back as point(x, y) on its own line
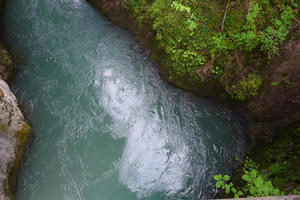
point(14, 130)
point(278, 103)
point(6, 63)
point(14, 137)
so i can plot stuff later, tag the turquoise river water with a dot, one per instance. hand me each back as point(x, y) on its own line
point(106, 125)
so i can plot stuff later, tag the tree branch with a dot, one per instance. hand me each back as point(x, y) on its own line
point(225, 14)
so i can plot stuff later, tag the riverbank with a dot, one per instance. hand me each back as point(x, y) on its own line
point(97, 104)
point(14, 130)
point(274, 110)
point(275, 107)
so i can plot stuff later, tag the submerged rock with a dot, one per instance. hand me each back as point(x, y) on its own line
point(14, 135)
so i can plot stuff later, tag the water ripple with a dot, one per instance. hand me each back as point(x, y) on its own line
point(107, 125)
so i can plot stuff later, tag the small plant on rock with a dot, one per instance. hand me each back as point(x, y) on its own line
point(256, 183)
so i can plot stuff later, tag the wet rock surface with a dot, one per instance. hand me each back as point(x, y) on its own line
point(6, 63)
point(278, 105)
point(7, 154)
point(13, 131)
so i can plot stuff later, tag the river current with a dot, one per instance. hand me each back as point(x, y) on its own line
point(106, 125)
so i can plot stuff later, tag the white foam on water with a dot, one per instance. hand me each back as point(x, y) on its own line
point(108, 72)
point(148, 165)
point(153, 160)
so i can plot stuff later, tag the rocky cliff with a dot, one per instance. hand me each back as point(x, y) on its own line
point(14, 130)
point(14, 135)
point(278, 104)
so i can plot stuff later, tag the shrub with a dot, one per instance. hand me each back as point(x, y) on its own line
point(256, 183)
point(246, 87)
point(193, 33)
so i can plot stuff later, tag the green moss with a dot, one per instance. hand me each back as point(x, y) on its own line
point(194, 33)
point(23, 136)
point(7, 65)
point(246, 87)
point(1, 95)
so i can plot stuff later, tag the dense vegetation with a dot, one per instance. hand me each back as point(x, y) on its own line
point(228, 41)
point(231, 43)
point(271, 170)
point(256, 183)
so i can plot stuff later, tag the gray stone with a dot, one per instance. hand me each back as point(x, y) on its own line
point(14, 133)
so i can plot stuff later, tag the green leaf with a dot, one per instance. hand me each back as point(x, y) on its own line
point(275, 168)
point(233, 190)
point(220, 184)
point(226, 178)
point(259, 182)
point(218, 177)
point(253, 173)
point(227, 189)
point(246, 177)
point(276, 192)
point(296, 192)
point(275, 83)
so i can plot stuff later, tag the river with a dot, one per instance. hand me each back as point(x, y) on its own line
point(106, 125)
